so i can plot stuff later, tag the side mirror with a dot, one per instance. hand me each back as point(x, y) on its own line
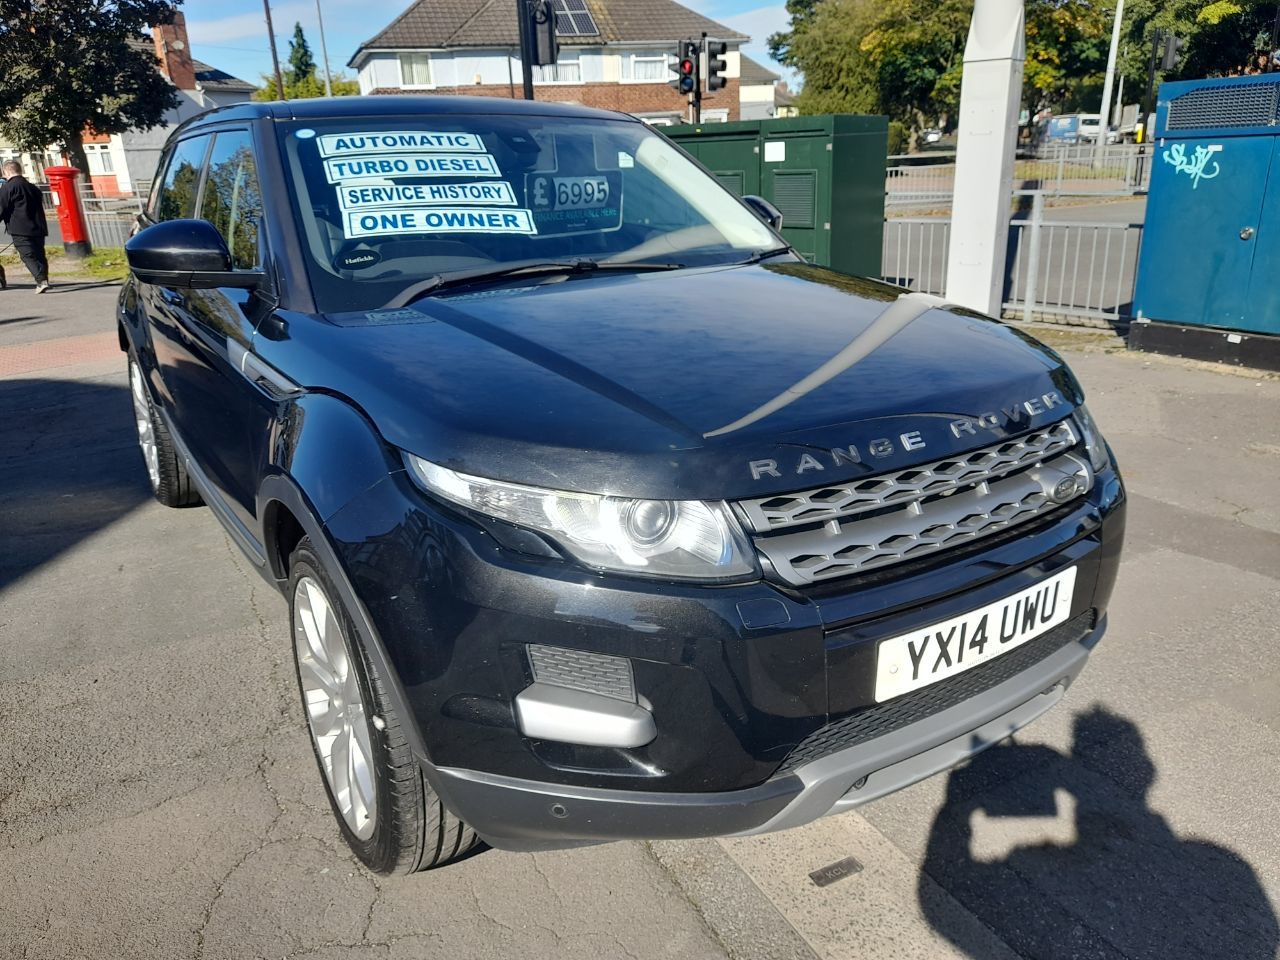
point(765, 210)
point(185, 254)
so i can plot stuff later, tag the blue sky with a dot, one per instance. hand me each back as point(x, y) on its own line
point(231, 34)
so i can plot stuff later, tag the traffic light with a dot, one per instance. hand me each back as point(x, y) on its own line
point(544, 48)
point(715, 66)
point(1172, 51)
point(687, 67)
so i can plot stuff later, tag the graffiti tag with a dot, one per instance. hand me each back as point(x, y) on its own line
point(1197, 166)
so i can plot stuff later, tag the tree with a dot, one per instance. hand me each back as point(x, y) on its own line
point(1067, 44)
point(897, 57)
point(68, 66)
point(311, 87)
point(1223, 38)
point(904, 58)
point(301, 64)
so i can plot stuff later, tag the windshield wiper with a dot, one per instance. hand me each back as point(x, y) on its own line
point(763, 255)
point(533, 268)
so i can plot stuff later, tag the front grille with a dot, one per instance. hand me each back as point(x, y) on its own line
point(894, 714)
point(843, 529)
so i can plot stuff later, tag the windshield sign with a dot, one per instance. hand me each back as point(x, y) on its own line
point(382, 208)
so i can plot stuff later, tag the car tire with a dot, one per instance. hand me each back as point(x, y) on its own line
point(386, 810)
point(170, 482)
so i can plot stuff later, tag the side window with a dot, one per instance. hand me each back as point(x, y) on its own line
point(232, 201)
point(177, 198)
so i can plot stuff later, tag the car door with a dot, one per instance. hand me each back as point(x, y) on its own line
point(175, 197)
point(221, 416)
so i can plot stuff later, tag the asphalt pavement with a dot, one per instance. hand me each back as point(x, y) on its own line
point(158, 796)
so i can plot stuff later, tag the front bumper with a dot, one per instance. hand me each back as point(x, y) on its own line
point(515, 814)
point(761, 695)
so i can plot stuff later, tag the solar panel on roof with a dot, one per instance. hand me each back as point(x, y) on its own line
point(573, 19)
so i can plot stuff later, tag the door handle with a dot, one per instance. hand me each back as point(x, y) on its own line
point(1246, 233)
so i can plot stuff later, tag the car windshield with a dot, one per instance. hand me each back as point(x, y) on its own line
point(386, 205)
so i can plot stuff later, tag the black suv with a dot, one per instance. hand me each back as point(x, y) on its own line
point(599, 512)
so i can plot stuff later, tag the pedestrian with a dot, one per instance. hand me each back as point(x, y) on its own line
point(22, 213)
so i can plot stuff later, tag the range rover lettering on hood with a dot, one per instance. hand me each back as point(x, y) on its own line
point(912, 440)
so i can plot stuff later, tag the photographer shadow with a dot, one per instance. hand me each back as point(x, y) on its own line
point(1062, 857)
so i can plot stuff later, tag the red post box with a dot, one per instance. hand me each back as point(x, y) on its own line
point(71, 219)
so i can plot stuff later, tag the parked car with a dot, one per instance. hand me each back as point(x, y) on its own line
point(931, 136)
point(598, 511)
point(1089, 126)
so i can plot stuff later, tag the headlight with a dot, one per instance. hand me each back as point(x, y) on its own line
point(1093, 441)
point(688, 539)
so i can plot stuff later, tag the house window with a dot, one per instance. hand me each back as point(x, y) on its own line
point(647, 65)
point(415, 70)
point(567, 70)
point(99, 157)
point(715, 116)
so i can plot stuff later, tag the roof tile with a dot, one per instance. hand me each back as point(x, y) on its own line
point(441, 24)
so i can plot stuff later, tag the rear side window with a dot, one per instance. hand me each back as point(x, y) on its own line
point(232, 201)
point(177, 198)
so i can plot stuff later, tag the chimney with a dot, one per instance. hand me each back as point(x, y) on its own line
point(174, 52)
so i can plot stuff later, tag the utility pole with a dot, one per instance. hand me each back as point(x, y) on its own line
point(324, 52)
point(990, 94)
point(526, 41)
point(1104, 112)
point(275, 57)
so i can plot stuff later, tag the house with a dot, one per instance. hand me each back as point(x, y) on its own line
point(757, 90)
point(784, 101)
point(614, 54)
point(123, 164)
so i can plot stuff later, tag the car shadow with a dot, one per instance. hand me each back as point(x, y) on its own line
point(1061, 856)
point(69, 467)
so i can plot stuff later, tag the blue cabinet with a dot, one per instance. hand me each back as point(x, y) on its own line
point(1211, 245)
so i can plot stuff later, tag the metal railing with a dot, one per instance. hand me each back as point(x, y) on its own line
point(109, 229)
point(1058, 168)
point(1071, 269)
point(1078, 270)
point(914, 180)
point(109, 220)
point(928, 180)
point(915, 253)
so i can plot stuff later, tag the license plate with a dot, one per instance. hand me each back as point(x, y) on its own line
point(942, 650)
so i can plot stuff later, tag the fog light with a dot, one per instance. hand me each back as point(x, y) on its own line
point(583, 698)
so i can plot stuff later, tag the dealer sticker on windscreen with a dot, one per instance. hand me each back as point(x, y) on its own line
point(564, 204)
point(942, 650)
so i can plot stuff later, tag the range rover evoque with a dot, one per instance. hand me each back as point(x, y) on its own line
point(599, 512)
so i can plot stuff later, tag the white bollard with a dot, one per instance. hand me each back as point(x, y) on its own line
point(990, 95)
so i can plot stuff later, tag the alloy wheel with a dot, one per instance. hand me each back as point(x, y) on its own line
point(335, 707)
point(146, 429)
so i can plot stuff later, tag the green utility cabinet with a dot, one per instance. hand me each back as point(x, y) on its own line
point(824, 173)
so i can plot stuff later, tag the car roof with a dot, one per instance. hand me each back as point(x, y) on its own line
point(338, 108)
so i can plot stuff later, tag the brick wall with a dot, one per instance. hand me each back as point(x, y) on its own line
point(627, 97)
